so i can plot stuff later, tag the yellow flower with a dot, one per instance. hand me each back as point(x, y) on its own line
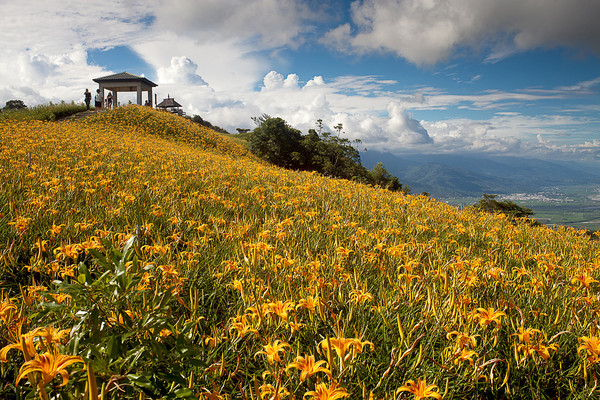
point(343, 345)
point(6, 310)
point(241, 324)
point(591, 345)
point(543, 350)
point(309, 303)
point(56, 229)
point(165, 333)
point(269, 392)
point(463, 339)
point(67, 250)
point(49, 365)
point(214, 395)
point(295, 326)
point(343, 251)
point(281, 309)
point(272, 351)
point(525, 335)
point(420, 389)
point(308, 366)
point(29, 347)
point(465, 355)
point(20, 224)
point(488, 316)
point(584, 279)
point(323, 392)
point(360, 296)
point(51, 334)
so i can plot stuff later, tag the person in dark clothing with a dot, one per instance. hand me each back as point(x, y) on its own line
point(88, 98)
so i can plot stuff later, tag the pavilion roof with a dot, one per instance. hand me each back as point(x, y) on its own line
point(125, 77)
point(168, 102)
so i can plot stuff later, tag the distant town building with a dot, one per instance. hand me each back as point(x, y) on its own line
point(169, 104)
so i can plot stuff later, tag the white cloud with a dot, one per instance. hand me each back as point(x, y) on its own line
point(427, 31)
point(43, 52)
point(266, 23)
point(225, 65)
point(291, 81)
point(404, 128)
point(316, 81)
point(273, 80)
point(181, 70)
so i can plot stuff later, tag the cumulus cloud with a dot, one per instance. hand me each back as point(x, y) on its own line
point(404, 128)
point(273, 80)
point(427, 31)
point(43, 55)
point(181, 70)
point(316, 81)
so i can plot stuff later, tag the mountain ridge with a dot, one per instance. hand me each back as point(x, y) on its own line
point(472, 175)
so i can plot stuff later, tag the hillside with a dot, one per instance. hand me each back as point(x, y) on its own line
point(171, 263)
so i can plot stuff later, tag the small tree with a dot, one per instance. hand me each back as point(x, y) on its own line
point(380, 176)
point(277, 142)
point(261, 119)
point(489, 204)
point(14, 105)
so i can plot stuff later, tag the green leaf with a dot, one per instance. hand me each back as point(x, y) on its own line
point(83, 269)
point(184, 393)
point(113, 348)
point(140, 381)
point(100, 259)
point(127, 250)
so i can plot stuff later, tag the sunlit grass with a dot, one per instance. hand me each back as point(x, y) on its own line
point(46, 112)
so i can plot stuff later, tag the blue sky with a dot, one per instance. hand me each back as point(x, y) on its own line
point(512, 77)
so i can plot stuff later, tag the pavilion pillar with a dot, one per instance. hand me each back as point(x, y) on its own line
point(115, 99)
point(150, 96)
point(139, 93)
point(102, 93)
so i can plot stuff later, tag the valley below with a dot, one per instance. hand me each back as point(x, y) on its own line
point(565, 193)
point(571, 206)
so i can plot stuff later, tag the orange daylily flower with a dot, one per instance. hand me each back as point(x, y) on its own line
point(269, 392)
point(29, 347)
point(49, 365)
point(324, 392)
point(308, 366)
point(487, 316)
point(343, 345)
point(420, 389)
point(525, 335)
point(272, 351)
point(463, 339)
point(591, 345)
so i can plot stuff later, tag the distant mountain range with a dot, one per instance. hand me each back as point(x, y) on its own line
point(445, 176)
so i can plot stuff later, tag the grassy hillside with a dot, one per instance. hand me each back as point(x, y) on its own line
point(151, 258)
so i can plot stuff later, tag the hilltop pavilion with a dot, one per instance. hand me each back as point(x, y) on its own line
point(169, 104)
point(126, 82)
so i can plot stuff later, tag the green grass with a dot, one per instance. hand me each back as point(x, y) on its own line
point(48, 112)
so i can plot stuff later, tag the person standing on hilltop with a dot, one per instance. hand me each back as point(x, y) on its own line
point(88, 98)
point(109, 100)
point(98, 100)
